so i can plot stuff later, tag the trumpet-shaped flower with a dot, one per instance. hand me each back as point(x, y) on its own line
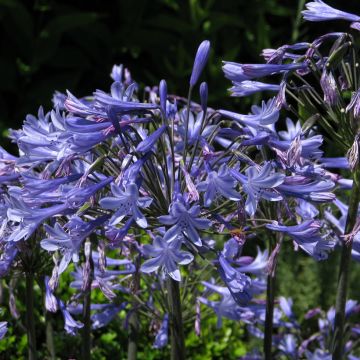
point(319, 11)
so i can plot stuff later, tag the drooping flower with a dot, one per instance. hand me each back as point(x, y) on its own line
point(162, 337)
point(307, 235)
point(71, 325)
point(167, 256)
point(237, 282)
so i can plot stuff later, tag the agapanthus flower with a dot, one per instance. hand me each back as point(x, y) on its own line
point(226, 307)
point(319, 11)
point(126, 201)
point(218, 183)
point(3, 329)
point(240, 72)
point(258, 183)
point(185, 223)
point(354, 105)
point(248, 87)
point(51, 302)
point(307, 235)
point(162, 337)
point(71, 325)
point(237, 282)
point(105, 315)
point(68, 243)
point(267, 114)
point(167, 256)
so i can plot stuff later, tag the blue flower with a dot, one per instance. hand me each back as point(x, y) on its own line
point(51, 303)
point(126, 201)
point(162, 337)
point(3, 329)
point(240, 72)
point(69, 243)
point(71, 326)
point(307, 235)
point(354, 105)
point(267, 114)
point(218, 183)
point(185, 222)
point(248, 87)
point(167, 256)
point(148, 143)
point(107, 314)
point(258, 184)
point(319, 11)
point(237, 282)
point(307, 189)
point(226, 307)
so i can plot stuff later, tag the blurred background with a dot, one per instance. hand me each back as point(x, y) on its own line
point(49, 45)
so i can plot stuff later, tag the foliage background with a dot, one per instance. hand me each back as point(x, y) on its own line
point(49, 45)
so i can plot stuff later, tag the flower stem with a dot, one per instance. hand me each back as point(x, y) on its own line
point(270, 298)
point(86, 330)
point(133, 336)
point(176, 324)
point(134, 317)
point(30, 320)
point(50, 337)
point(338, 349)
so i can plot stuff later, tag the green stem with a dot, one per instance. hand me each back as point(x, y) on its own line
point(50, 337)
point(176, 323)
point(30, 320)
point(134, 317)
point(270, 298)
point(86, 330)
point(344, 271)
point(133, 335)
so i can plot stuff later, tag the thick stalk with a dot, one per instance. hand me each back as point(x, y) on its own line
point(134, 317)
point(270, 298)
point(133, 335)
point(50, 337)
point(338, 339)
point(176, 324)
point(30, 319)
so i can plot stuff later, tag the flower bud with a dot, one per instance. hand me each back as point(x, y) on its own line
point(163, 95)
point(201, 58)
point(203, 96)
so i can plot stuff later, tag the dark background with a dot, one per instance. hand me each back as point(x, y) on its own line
point(49, 45)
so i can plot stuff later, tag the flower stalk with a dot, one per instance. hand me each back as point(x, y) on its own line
point(270, 299)
point(30, 320)
point(88, 276)
point(344, 271)
point(176, 323)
